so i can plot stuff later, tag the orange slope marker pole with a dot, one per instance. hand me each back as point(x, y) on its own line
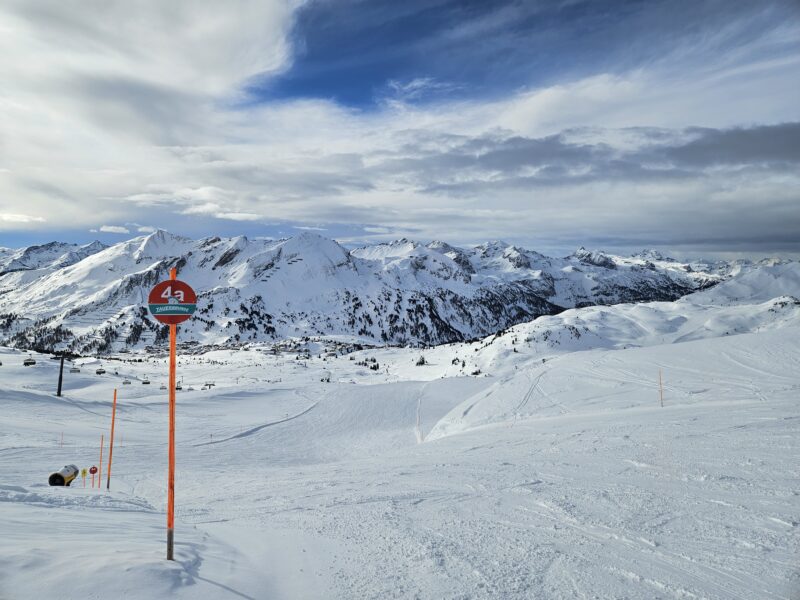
point(100, 467)
point(173, 334)
point(111, 441)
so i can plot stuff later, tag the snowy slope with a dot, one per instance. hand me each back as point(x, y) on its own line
point(554, 478)
point(765, 298)
point(261, 290)
point(564, 480)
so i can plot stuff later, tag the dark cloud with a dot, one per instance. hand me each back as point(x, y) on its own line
point(756, 145)
point(490, 163)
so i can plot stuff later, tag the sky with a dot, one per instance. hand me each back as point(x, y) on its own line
point(615, 125)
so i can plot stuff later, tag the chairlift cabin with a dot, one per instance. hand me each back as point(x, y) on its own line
point(74, 370)
point(28, 362)
point(100, 371)
point(126, 382)
point(145, 381)
point(162, 387)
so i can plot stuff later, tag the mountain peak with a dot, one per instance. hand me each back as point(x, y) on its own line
point(598, 258)
point(652, 254)
point(159, 244)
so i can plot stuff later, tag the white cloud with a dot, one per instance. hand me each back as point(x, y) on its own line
point(238, 216)
point(114, 229)
point(20, 218)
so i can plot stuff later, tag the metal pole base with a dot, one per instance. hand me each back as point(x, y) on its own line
point(170, 540)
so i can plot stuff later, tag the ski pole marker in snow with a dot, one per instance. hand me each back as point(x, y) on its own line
point(172, 302)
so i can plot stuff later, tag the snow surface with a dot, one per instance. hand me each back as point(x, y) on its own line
point(553, 472)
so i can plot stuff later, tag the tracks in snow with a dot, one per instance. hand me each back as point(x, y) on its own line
point(418, 427)
point(258, 428)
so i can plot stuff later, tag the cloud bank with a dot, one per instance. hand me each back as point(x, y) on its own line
point(682, 133)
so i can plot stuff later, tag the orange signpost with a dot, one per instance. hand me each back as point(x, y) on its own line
point(172, 302)
point(111, 441)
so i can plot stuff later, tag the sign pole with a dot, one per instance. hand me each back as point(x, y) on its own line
point(173, 334)
point(111, 441)
point(60, 376)
point(172, 302)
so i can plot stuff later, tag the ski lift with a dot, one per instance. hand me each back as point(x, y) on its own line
point(162, 387)
point(28, 362)
point(178, 386)
point(145, 381)
point(126, 382)
point(74, 370)
point(100, 371)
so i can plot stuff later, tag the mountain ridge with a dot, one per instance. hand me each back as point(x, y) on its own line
point(399, 293)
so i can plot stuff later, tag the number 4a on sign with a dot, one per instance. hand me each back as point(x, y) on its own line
point(173, 298)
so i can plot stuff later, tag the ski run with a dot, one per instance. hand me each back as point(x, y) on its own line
point(535, 463)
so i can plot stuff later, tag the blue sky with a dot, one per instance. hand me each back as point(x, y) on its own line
point(549, 124)
point(354, 51)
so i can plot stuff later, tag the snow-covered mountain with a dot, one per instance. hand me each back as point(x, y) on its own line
point(93, 298)
point(27, 264)
point(763, 298)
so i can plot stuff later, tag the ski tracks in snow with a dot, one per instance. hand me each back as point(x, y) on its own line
point(256, 429)
point(418, 426)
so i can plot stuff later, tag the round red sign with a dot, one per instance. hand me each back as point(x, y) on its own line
point(172, 301)
point(92, 470)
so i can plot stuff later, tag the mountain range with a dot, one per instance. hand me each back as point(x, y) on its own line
point(92, 298)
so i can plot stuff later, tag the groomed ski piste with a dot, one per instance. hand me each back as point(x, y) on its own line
point(538, 463)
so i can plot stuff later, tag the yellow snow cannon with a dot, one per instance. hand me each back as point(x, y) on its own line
point(65, 476)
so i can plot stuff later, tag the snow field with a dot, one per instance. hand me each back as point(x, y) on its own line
point(557, 480)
